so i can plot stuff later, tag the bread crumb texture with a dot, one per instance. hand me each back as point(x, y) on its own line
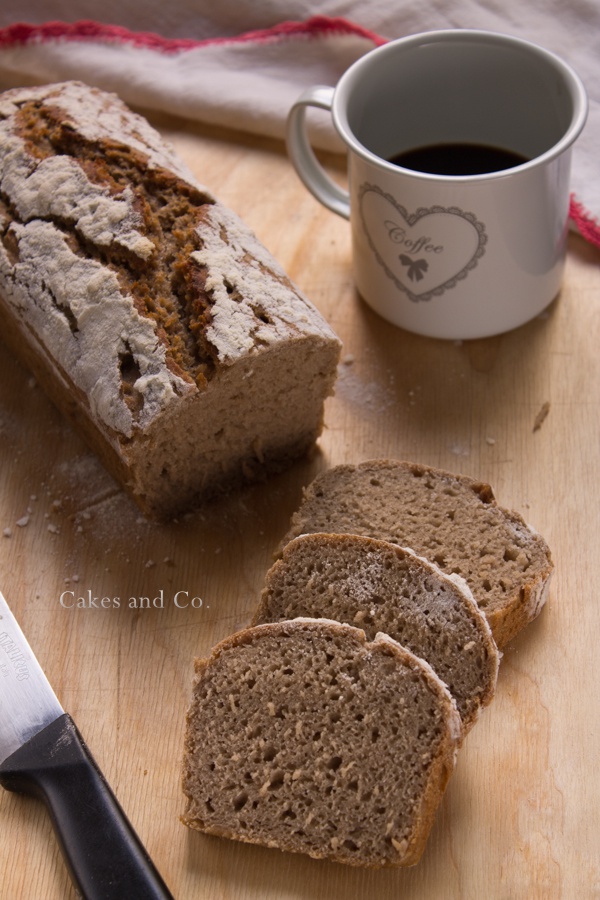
point(452, 520)
point(304, 736)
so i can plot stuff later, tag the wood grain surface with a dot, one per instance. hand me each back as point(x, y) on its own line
point(521, 816)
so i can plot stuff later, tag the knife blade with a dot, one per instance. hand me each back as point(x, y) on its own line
point(43, 754)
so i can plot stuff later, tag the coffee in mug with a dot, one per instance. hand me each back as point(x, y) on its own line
point(459, 152)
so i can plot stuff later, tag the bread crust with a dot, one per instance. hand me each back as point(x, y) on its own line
point(137, 298)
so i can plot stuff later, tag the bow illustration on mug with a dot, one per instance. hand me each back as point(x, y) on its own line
point(416, 268)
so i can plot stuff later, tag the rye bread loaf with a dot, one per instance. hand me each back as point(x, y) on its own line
point(149, 312)
point(452, 520)
point(305, 737)
point(380, 587)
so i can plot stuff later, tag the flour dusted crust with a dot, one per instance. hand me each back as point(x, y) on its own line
point(304, 736)
point(152, 315)
point(452, 520)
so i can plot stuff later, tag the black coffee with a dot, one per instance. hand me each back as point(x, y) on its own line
point(458, 159)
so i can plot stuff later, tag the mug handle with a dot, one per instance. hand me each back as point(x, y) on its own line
point(309, 169)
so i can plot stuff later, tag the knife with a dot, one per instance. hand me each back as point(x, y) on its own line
point(42, 753)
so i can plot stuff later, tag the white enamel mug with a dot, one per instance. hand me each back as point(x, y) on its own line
point(451, 255)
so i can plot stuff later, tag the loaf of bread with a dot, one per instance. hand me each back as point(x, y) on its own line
point(152, 316)
point(303, 736)
point(380, 587)
point(449, 519)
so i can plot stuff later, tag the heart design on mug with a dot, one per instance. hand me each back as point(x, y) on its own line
point(424, 253)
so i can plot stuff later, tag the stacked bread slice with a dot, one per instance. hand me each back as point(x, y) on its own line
point(379, 587)
point(330, 726)
point(452, 520)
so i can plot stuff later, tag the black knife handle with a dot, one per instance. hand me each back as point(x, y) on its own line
point(104, 854)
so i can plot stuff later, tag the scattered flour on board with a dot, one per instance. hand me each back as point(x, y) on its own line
point(369, 395)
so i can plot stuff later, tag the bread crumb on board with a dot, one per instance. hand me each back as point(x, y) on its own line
point(541, 416)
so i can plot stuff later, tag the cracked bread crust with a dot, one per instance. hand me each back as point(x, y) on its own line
point(452, 520)
point(379, 587)
point(306, 737)
point(132, 291)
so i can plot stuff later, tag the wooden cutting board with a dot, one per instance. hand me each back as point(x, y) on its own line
point(521, 816)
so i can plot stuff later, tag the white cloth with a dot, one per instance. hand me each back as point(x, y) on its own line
point(242, 65)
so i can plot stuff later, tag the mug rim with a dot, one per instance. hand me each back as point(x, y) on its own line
point(570, 77)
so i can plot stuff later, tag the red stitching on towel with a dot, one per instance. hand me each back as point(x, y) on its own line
point(587, 225)
point(22, 33)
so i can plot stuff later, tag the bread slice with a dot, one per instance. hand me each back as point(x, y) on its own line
point(148, 311)
point(304, 736)
point(452, 520)
point(380, 587)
